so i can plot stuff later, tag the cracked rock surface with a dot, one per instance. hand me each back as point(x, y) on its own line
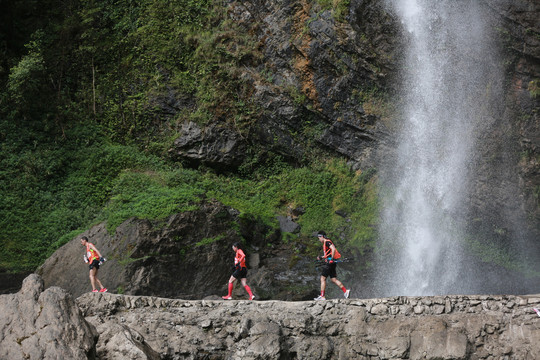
point(439, 327)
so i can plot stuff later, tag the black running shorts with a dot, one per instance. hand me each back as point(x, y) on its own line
point(240, 273)
point(329, 270)
point(94, 264)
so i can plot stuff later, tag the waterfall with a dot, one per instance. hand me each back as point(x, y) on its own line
point(425, 190)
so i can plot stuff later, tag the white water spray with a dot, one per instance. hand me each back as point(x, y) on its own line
point(425, 190)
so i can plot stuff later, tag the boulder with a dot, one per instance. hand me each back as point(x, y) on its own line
point(38, 324)
point(187, 256)
point(214, 146)
point(286, 224)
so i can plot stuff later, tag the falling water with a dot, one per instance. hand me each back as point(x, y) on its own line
point(447, 77)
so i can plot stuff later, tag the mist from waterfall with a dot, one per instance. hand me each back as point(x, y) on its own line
point(425, 191)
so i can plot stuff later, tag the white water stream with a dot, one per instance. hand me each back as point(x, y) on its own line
point(425, 190)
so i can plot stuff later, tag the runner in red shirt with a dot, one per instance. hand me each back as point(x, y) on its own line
point(240, 272)
point(329, 269)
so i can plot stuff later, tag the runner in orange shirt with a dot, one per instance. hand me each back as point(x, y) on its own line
point(330, 254)
point(240, 272)
point(92, 257)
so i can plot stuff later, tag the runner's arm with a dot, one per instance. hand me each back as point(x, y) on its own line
point(241, 257)
point(333, 251)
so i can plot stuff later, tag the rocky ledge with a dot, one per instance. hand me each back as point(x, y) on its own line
point(443, 327)
point(47, 324)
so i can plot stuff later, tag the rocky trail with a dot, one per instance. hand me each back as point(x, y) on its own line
point(49, 324)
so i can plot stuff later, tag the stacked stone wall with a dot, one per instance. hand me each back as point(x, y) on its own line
point(440, 327)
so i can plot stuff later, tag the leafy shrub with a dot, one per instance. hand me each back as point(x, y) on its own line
point(48, 193)
point(208, 241)
point(147, 196)
point(321, 191)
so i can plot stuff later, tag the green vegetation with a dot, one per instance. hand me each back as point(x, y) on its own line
point(340, 8)
point(148, 195)
point(497, 255)
point(321, 190)
point(376, 102)
point(534, 88)
point(115, 182)
point(84, 137)
point(208, 241)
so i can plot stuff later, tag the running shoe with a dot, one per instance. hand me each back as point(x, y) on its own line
point(320, 298)
point(537, 311)
point(227, 297)
point(95, 290)
point(347, 293)
point(103, 290)
point(252, 297)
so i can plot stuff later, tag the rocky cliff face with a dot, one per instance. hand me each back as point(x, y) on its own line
point(188, 256)
point(331, 80)
point(316, 85)
point(507, 167)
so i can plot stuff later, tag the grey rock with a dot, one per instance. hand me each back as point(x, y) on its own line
point(214, 146)
point(433, 340)
point(286, 224)
point(338, 329)
point(379, 309)
point(119, 342)
point(37, 324)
